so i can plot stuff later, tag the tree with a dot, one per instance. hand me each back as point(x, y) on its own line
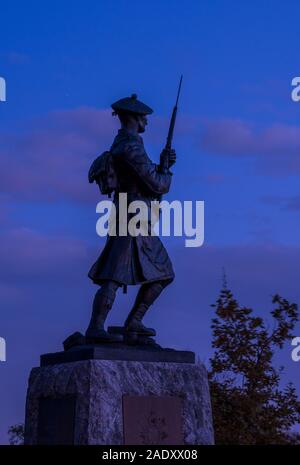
point(249, 406)
point(16, 435)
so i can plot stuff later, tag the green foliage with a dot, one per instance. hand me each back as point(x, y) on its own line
point(249, 407)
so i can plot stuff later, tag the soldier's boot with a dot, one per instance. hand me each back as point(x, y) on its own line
point(133, 323)
point(103, 302)
point(146, 296)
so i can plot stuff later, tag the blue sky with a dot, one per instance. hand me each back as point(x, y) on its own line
point(237, 142)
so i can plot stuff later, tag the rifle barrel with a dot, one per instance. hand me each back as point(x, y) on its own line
point(178, 91)
point(173, 119)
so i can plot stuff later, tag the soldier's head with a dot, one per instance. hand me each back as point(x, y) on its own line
point(132, 113)
point(132, 121)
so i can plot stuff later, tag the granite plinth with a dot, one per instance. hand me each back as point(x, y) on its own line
point(98, 394)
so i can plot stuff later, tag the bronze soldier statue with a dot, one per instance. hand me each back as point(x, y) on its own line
point(128, 260)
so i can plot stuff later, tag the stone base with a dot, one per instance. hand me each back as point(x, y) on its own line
point(112, 402)
point(118, 351)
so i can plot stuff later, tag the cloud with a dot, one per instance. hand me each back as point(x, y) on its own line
point(227, 136)
point(5, 208)
point(284, 203)
point(276, 148)
point(210, 179)
point(27, 254)
point(16, 58)
point(50, 160)
point(254, 273)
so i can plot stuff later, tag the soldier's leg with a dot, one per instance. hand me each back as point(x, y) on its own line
point(103, 302)
point(146, 296)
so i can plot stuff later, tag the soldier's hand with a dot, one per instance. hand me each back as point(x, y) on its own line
point(172, 157)
point(167, 158)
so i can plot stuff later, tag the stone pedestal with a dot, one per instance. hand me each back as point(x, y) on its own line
point(113, 402)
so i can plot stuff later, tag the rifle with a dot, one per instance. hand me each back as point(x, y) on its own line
point(173, 119)
point(164, 163)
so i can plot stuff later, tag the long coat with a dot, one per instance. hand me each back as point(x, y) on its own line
point(140, 259)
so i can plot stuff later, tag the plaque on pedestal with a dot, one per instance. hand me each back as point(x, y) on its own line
point(153, 420)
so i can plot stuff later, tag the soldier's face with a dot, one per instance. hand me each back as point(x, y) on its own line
point(142, 123)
